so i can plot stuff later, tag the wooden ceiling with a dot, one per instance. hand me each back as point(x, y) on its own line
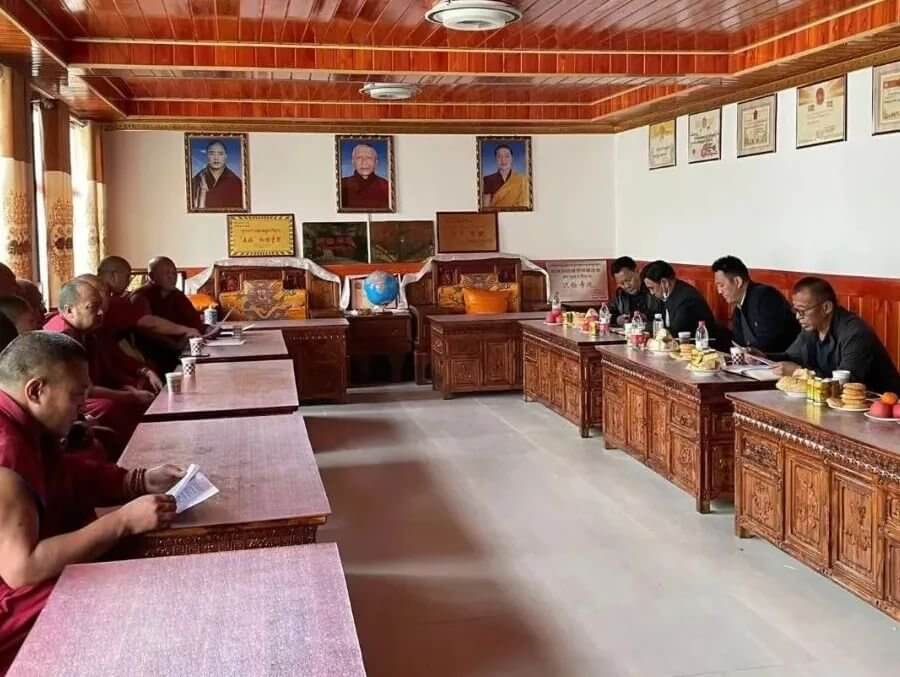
point(569, 65)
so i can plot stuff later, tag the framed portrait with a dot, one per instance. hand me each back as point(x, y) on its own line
point(340, 242)
point(364, 166)
point(401, 241)
point(886, 98)
point(822, 112)
point(358, 298)
point(705, 136)
point(261, 235)
point(467, 232)
point(504, 173)
point(661, 145)
point(217, 173)
point(757, 125)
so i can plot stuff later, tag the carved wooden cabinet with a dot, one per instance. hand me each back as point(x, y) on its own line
point(563, 371)
point(823, 486)
point(477, 353)
point(387, 335)
point(678, 424)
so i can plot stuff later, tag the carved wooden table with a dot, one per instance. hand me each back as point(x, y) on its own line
point(824, 486)
point(562, 370)
point(230, 389)
point(257, 345)
point(477, 353)
point(387, 334)
point(276, 611)
point(675, 422)
point(270, 492)
point(319, 350)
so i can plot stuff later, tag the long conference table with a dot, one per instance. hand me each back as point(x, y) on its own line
point(212, 594)
point(252, 346)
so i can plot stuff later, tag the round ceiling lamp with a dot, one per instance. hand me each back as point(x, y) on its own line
point(473, 15)
point(389, 91)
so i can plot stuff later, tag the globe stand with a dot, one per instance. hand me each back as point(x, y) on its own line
point(378, 309)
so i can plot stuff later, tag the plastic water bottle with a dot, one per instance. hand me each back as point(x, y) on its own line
point(603, 319)
point(657, 324)
point(701, 340)
point(556, 304)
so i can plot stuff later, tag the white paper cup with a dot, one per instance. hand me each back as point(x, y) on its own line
point(189, 367)
point(196, 346)
point(684, 336)
point(842, 376)
point(738, 355)
point(174, 381)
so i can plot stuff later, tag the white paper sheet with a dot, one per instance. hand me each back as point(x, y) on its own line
point(192, 489)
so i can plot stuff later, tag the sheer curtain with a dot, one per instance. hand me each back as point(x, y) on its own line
point(16, 176)
point(88, 197)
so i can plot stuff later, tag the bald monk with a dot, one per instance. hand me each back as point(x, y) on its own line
point(29, 291)
point(119, 406)
point(47, 498)
point(17, 311)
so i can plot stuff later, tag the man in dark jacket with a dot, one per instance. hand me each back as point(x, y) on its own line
point(763, 319)
point(683, 306)
point(631, 292)
point(833, 339)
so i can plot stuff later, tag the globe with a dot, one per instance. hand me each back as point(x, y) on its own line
point(381, 288)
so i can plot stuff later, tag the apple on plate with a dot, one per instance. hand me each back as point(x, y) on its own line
point(897, 410)
point(881, 410)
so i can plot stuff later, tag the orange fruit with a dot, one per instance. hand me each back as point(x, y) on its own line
point(889, 398)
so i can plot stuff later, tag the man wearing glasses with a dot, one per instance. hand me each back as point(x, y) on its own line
point(834, 338)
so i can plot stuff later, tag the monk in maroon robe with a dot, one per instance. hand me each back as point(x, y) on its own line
point(216, 186)
point(46, 497)
point(364, 189)
point(119, 405)
point(29, 291)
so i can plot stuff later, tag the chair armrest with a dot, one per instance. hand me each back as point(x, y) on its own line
point(420, 314)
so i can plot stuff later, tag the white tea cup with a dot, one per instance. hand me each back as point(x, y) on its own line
point(174, 381)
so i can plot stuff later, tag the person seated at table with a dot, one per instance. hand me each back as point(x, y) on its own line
point(19, 312)
point(835, 339)
point(631, 292)
point(47, 498)
point(683, 307)
point(763, 319)
point(8, 285)
point(29, 291)
point(120, 406)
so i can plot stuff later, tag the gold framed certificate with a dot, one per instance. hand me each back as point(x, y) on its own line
point(705, 136)
point(822, 112)
point(261, 235)
point(661, 145)
point(886, 98)
point(757, 125)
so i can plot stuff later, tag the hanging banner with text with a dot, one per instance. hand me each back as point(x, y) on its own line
point(261, 235)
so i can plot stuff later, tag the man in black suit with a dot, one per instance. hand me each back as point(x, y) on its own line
point(763, 318)
point(683, 306)
point(631, 292)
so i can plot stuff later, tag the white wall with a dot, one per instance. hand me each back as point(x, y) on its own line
point(830, 208)
point(294, 173)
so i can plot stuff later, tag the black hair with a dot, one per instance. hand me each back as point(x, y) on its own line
point(8, 331)
point(732, 267)
point(37, 353)
point(622, 263)
point(657, 271)
point(503, 145)
point(821, 290)
point(216, 143)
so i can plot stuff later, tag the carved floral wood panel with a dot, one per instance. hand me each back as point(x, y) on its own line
point(500, 362)
point(892, 569)
point(636, 399)
point(855, 546)
point(658, 422)
point(806, 506)
point(761, 504)
point(685, 462)
point(613, 420)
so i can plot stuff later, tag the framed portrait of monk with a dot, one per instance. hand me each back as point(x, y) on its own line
point(504, 174)
point(364, 166)
point(217, 173)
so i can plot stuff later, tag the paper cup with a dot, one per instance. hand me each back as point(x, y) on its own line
point(738, 355)
point(238, 333)
point(196, 346)
point(842, 376)
point(174, 382)
point(189, 367)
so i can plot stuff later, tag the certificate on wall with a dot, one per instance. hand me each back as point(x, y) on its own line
point(705, 136)
point(822, 112)
point(756, 126)
point(578, 280)
point(467, 232)
point(261, 235)
point(886, 98)
point(662, 145)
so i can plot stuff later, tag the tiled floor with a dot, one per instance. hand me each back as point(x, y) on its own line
point(482, 536)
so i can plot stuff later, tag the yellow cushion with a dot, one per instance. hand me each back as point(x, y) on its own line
point(451, 296)
point(478, 280)
point(201, 301)
point(265, 300)
point(485, 302)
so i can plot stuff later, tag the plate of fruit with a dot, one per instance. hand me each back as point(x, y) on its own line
point(885, 409)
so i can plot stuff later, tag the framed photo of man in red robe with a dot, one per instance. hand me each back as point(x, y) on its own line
point(364, 169)
point(217, 173)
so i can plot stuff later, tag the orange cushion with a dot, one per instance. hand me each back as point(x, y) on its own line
point(484, 302)
point(201, 301)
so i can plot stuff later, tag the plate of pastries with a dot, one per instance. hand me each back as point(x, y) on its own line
point(683, 352)
point(662, 343)
point(707, 361)
point(853, 398)
point(795, 384)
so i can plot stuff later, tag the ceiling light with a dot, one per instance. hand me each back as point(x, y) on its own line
point(473, 15)
point(389, 91)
